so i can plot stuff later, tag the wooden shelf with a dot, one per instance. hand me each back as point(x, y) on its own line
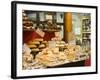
point(42, 30)
point(86, 38)
point(86, 32)
point(51, 30)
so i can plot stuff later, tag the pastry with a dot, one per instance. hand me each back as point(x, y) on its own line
point(41, 46)
point(44, 42)
point(35, 50)
point(62, 42)
point(39, 39)
point(32, 46)
point(36, 42)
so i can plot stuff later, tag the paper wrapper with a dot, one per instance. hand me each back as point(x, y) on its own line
point(26, 49)
point(40, 32)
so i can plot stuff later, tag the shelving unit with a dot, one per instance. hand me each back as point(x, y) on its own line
point(31, 23)
point(86, 30)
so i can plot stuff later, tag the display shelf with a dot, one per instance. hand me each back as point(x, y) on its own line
point(50, 25)
point(42, 30)
point(86, 30)
point(51, 30)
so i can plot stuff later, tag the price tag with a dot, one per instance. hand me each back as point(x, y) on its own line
point(40, 32)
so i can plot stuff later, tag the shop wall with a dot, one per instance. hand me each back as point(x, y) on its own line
point(31, 35)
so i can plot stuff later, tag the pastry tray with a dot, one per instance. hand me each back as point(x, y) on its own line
point(79, 62)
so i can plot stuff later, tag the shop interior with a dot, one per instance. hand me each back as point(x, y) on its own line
point(55, 39)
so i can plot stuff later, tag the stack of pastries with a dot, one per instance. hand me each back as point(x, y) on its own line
point(52, 56)
point(27, 24)
point(62, 53)
point(37, 45)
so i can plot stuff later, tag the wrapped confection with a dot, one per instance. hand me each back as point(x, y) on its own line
point(27, 57)
point(70, 46)
point(77, 48)
point(55, 50)
point(61, 56)
point(71, 56)
point(26, 49)
point(49, 52)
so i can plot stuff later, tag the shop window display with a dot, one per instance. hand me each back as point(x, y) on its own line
point(46, 45)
